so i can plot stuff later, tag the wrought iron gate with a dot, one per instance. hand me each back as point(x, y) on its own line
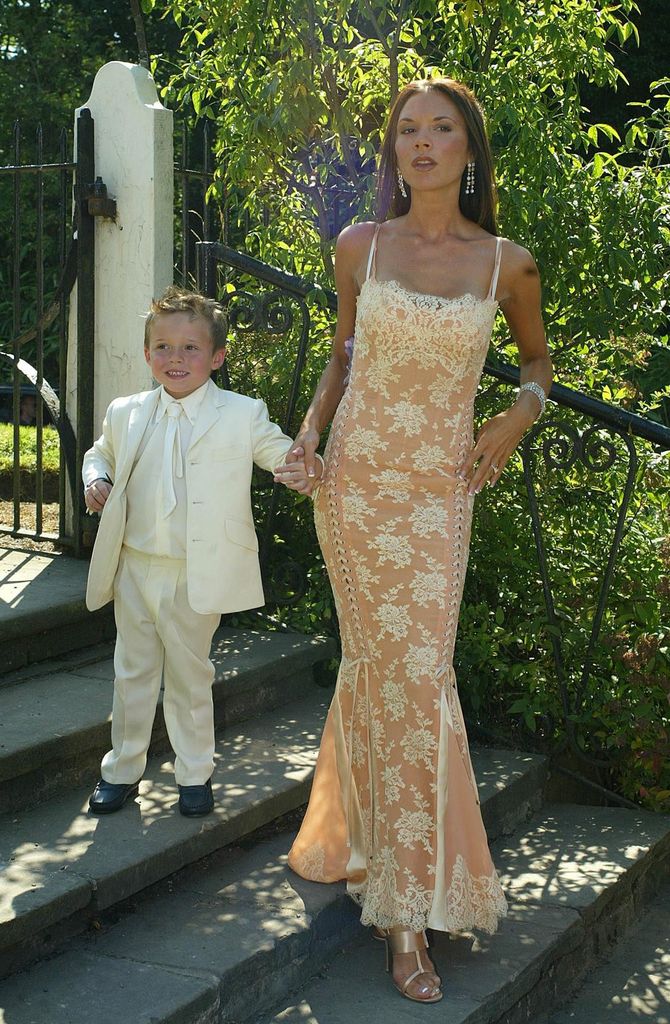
point(48, 254)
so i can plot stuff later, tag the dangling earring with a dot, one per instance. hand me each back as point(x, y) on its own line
point(401, 185)
point(470, 178)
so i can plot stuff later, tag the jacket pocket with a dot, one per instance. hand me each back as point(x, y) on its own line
point(242, 534)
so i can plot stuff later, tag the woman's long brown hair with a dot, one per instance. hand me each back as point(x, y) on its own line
point(479, 207)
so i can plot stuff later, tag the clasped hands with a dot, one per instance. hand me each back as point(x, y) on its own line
point(300, 472)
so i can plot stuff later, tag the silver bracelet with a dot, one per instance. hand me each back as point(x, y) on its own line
point(537, 390)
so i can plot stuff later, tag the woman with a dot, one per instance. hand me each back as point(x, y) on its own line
point(394, 806)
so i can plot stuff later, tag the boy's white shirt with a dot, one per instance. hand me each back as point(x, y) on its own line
point(230, 432)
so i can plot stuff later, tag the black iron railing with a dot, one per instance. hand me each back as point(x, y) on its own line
point(211, 255)
point(281, 305)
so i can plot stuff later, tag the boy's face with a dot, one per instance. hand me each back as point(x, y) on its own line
point(180, 353)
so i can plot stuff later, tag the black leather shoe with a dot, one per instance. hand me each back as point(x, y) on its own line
point(194, 801)
point(111, 796)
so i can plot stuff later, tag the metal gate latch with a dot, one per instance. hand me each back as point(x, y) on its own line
point(98, 202)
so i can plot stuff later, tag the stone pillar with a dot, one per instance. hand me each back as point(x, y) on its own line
point(134, 253)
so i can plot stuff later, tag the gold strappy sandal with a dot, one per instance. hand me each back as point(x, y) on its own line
point(404, 941)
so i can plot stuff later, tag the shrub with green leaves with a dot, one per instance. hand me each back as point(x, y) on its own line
point(619, 713)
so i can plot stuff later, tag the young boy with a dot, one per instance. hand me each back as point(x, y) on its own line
point(176, 545)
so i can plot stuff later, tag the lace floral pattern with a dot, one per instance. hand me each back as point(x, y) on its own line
point(393, 521)
point(473, 903)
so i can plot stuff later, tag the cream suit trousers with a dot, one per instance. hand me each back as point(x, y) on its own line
point(160, 636)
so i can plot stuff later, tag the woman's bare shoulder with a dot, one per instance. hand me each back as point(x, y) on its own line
point(516, 260)
point(354, 241)
point(352, 250)
point(519, 277)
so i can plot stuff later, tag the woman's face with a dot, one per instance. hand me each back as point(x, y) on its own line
point(431, 143)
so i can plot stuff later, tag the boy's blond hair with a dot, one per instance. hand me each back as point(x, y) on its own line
point(179, 300)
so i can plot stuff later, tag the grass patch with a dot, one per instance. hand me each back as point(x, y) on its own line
point(28, 462)
point(28, 448)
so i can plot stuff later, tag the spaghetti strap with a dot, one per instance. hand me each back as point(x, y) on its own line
point(372, 263)
point(496, 269)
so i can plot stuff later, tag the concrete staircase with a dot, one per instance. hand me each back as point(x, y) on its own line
point(146, 916)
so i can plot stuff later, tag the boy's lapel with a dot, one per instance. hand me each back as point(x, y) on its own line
point(208, 414)
point(138, 420)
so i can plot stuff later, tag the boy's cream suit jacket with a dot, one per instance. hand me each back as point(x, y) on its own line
point(230, 433)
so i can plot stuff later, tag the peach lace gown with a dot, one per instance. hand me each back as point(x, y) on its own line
point(394, 807)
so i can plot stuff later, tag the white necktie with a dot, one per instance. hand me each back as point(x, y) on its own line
point(172, 460)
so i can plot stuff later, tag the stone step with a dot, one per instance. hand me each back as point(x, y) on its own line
point(54, 720)
point(576, 878)
point(633, 984)
point(63, 868)
point(42, 609)
point(220, 944)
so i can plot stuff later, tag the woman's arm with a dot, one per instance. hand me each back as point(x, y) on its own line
point(351, 254)
point(521, 307)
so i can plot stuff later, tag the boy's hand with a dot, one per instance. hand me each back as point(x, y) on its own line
point(294, 476)
point(96, 494)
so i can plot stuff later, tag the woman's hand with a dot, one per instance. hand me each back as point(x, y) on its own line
point(304, 448)
point(496, 441)
point(294, 474)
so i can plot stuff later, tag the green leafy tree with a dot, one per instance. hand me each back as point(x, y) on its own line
point(299, 94)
